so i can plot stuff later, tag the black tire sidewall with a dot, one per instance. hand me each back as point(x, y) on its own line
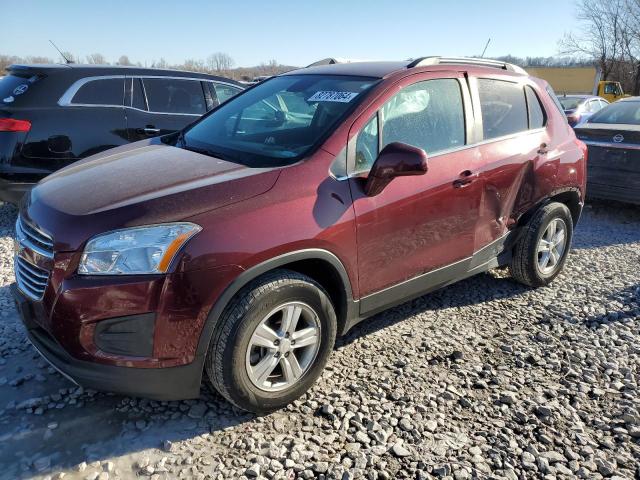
point(236, 379)
point(551, 212)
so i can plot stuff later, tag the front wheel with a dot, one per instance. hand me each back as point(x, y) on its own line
point(541, 252)
point(272, 342)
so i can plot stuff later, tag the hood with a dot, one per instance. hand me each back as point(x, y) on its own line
point(142, 183)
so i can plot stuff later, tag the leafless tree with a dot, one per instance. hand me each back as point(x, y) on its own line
point(124, 60)
point(631, 41)
point(220, 62)
point(97, 59)
point(601, 33)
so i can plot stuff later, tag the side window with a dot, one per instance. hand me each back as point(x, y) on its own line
point(555, 100)
point(536, 113)
point(603, 104)
point(367, 146)
point(170, 95)
point(225, 92)
point(427, 115)
point(504, 110)
point(107, 91)
point(137, 95)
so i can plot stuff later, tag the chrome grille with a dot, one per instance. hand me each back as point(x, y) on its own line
point(31, 279)
point(29, 236)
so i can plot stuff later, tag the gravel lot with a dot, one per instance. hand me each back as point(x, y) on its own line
point(485, 379)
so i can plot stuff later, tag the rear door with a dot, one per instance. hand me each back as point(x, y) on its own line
point(162, 105)
point(87, 119)
point(514, 141)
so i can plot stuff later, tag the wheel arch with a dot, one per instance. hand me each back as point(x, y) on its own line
point(570, 197)
point(320, 265)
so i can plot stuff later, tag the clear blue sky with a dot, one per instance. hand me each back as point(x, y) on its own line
point(292, 32)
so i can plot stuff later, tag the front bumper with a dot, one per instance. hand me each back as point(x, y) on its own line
point(12, 192)
point(168, 383)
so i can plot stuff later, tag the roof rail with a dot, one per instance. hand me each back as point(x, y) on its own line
point(427, 61)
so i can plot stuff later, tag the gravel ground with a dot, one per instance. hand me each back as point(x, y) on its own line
point(484, 379)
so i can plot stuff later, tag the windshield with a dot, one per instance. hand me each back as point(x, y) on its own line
point(278, 121)
point(619, 112)
point(570, 103)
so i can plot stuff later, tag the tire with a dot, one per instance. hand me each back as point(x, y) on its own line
point(525, 265)
point(231, 350)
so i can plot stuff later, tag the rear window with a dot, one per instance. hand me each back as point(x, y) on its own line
point(569, 103)
point(168, 95)
point(14, 88)
point(619, 113)
point(105, 91)
point(504, 109)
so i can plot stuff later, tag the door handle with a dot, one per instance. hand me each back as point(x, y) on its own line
point(149, 130)
point(465, 179)
point(543, 149)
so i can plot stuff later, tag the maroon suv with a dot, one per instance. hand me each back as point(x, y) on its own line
point(241, 247)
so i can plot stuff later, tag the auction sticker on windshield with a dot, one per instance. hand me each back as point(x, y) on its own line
point(328, 96)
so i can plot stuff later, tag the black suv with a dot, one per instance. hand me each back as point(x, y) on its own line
point(54, 115)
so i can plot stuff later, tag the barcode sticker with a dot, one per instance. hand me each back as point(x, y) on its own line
point(327, 96)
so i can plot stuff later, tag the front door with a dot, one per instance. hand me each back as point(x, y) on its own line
point(159, 106)
point(423, 223)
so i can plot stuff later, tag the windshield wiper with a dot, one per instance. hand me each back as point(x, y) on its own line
point(206, 151)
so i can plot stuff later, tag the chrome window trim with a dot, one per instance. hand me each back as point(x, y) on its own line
point(622, 146)
point(67, 96)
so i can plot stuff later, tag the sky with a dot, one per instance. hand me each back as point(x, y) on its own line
point(291, 32)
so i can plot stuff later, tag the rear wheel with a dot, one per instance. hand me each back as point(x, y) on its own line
point(541, 252)
point(272, 342)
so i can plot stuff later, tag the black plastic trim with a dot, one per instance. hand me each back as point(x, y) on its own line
point(488, 257)
point(131, 335)
point(245, 277)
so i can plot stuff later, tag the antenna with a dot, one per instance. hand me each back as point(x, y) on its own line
point(485, 47)
point(60, 52)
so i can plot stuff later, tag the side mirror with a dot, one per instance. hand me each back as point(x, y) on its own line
point(395, 160)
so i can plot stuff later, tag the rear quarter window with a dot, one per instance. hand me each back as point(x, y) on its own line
point(105, 91)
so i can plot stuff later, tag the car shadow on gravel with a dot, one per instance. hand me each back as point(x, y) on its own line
point(48, 424)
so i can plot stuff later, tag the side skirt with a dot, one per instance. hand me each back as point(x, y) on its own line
point(496, 254)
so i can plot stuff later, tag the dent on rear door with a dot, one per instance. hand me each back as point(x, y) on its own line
point(509, 183)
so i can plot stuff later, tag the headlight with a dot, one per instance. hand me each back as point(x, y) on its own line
point(134, 251)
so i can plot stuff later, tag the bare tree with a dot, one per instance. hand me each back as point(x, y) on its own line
point(631, 41)
point(124, 60)
point(97, 59)
point(220, 62)
point(601, 33)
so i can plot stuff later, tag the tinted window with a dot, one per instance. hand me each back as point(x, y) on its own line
point(168, 95)
point(108, 91)
point(427, 115)
point(14, 88)
point(367, 146)
point(279, 121)
point(536, 113)
point(620, 113)
point(137, 95)
point(225, 92)
point(504, 110)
